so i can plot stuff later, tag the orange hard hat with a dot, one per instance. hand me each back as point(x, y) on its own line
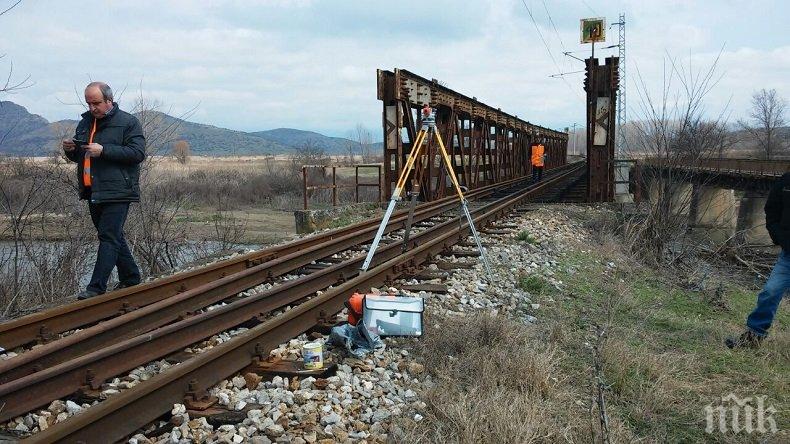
point(354, 305)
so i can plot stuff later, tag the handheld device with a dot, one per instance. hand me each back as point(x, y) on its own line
point(79, 142)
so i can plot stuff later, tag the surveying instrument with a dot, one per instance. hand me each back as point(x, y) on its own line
point(428, 129)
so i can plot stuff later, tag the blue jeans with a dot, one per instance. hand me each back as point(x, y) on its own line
point(109, 218)
point(759, 321)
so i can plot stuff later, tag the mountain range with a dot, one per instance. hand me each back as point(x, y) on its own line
point(26, 134)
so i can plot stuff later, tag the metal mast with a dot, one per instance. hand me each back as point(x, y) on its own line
point(621, 104)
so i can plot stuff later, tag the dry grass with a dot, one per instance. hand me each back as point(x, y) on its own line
point(495, 383)
point(662, 357)
point(663, 354)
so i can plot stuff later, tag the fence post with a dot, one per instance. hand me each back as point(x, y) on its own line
point(381, 198)
point(356, 183)
point(334, 187)
point(304, 185)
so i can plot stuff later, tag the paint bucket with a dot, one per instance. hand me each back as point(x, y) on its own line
point(313, 355)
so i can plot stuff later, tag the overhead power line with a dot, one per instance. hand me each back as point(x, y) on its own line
point(553, 25)
point(589, 7)
point(540, 34)
point(546, 45)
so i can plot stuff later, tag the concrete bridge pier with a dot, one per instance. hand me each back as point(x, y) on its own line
point(751, 219)
point(680, 196)
point(713, 212)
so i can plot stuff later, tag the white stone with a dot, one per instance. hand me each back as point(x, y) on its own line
point(274, 431)
point(72, 407)
point(332, 418)
point(178, 409)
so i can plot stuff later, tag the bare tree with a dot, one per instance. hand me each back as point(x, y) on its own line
point(364, 141)
point(351, 150)
point(671, 134)
point(12, 85)
point(47, 237)
point(767, 117)
point(309, 153)
point(180, 151)
point(60, 130)
point(155, 234)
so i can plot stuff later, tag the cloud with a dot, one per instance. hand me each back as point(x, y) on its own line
point(254, 65)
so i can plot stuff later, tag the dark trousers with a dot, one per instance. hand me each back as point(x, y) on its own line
point(108, 218)
point(537, 173)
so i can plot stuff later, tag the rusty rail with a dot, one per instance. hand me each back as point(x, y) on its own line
point(178, 306)
point(45, 325)
point(120, 415)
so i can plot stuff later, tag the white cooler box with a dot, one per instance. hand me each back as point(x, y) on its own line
point(393, 315)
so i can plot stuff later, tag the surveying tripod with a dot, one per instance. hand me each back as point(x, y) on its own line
point(428, 129)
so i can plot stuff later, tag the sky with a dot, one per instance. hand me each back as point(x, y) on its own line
point(253, 65)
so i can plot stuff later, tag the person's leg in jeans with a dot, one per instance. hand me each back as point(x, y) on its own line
point(108, 219)
point(534, 173)
point(759, 321)
point(128, 273)
point(540, 174)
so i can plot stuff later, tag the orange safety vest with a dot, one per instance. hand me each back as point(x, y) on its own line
point(86, 163)
point(537, 155)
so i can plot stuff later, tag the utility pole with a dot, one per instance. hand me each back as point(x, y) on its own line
point(621, 103)
point(574, 138)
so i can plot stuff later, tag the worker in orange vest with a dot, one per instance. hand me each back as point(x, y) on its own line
point(538, 159)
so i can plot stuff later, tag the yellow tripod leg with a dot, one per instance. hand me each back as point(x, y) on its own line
point(449, 166)
point(415, 152)
point(410, 161)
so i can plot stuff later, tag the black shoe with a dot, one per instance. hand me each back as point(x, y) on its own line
point(121, 285)
point(747, 339)
point(86, 294)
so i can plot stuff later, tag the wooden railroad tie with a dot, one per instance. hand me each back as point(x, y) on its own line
point(430, 288)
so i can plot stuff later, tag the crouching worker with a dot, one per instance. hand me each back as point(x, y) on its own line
point(108, 147)
point(777, 221)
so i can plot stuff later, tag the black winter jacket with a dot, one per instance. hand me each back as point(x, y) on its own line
point(777, 212)
point(115, 174)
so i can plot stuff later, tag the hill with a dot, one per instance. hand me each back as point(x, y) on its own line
point(209, 140)
point(23, 133)
point(295, 138)
point(26, 134)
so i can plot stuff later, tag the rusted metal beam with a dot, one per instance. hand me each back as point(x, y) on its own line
point(601, 83)
point(491, 146)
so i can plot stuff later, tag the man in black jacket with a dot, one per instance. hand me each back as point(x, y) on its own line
point(777, 221)
point(108, 148)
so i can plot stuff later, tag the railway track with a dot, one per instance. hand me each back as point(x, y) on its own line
point(44, 326)
point(169, 322)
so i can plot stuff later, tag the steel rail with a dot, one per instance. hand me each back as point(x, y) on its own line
point(156, 314)
point(47, 323)
point(29, 392)
point(180, 306)
point(124, 413)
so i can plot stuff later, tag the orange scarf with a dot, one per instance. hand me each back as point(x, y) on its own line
point(86, 163)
